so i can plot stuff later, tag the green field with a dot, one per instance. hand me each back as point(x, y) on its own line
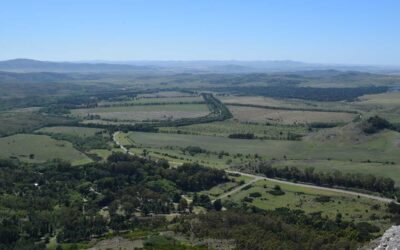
point(381, 149)
point(225, 128)
point(74, 131)
point(263, 115)
point(377, 148)
point(144, 112)
point(295, 197)
point(26, 120)
point(39, 148)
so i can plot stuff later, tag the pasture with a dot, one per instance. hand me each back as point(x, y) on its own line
point(263, 115)
point(82, 132)
point(376, 154)
point(285, 103)
point(145, 112)
point(225, 128)
point(39, 148)
point(26, 120)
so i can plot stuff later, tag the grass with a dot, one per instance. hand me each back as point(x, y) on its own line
point(26, 121)
point(379, 148)
point(262, 115)
point(39, 148)
point(74, 131)
point(286, 103)
point(374, 154)
point(145, 112)
point(225, 128)
point(295, 197)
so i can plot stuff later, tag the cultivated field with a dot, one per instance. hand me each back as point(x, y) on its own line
point(39, 148)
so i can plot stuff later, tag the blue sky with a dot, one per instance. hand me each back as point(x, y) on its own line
point(326, 31)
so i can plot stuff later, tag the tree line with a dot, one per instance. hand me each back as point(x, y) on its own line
point(368, 182)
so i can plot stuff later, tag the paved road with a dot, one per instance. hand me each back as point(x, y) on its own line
point(257, 178)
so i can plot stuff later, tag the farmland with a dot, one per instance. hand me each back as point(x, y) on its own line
point(73, 131)
point(145, 112)
point(223, 132)
point(380, 150)
point(39, 148)
point(225, 128)
point(262, 115)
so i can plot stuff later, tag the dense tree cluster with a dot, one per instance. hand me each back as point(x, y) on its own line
point(248, 136)
point(335, 178)
point(375, 124)
point(40, 201)
point(279, 229)
point(194, 177)
point(98, 141)
point(193, 150)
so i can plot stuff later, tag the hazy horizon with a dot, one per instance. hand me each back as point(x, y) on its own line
point(327, 32)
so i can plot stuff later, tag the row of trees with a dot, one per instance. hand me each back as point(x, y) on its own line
point(368, 182)
point(306, 93)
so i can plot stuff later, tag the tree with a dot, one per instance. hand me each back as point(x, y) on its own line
point(183, 205)
point(218, 205)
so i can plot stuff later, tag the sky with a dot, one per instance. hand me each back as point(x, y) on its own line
point(324, 31)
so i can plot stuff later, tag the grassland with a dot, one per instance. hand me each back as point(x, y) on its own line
point(351, 207)
point(381, 149)
point(39, 148)
point(386, 105)
point(145, 112)
point(73, 131)
point(225, 128)
point(262, 115)
point(26, 120)
point(378, 148)
point(285, 103)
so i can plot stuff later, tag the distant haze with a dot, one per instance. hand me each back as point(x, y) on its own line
point(29, 65)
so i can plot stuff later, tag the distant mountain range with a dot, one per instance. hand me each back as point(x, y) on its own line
point(29, 65)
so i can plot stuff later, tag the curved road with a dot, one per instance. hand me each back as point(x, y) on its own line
point(258, 177)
